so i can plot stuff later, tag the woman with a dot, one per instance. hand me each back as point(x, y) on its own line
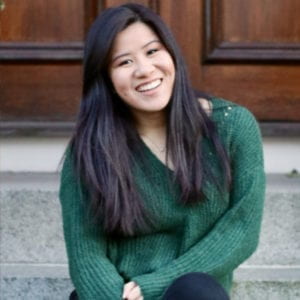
point(161, 190)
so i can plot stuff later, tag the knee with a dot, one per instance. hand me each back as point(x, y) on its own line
point(196, 285)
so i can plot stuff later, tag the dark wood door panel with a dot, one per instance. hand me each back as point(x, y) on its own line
point(270, 92)
point(251, 55)
point(244, 69)
point(252, 30)
point(267, 21)
point(40, 92)
point(42, 21)
point(35, 30)
point(184, 18)
point(108, 3)
point(246, 51)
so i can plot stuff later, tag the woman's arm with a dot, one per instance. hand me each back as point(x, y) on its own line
point(93, 275)
point(235, 235)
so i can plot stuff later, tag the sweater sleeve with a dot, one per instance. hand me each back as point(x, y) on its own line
point(234, 237)
point(92, 274)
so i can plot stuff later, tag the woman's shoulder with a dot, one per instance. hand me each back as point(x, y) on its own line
point(234, 121)
point(221, 104)
point(222, 109)
point(214, 105)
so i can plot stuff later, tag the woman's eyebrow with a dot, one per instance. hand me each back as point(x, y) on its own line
point(127, 53)
point(153, 41)
point(120, 55)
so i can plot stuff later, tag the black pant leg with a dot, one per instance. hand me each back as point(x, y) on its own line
point(73, 296)
point(195, 286)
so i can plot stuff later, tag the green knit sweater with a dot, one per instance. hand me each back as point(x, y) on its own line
point(213, 236)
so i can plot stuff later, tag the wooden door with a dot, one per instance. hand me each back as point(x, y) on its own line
point(245, 51)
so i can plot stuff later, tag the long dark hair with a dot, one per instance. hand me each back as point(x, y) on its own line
point(100, 147)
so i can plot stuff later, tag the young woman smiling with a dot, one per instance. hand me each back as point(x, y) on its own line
point(162, 189)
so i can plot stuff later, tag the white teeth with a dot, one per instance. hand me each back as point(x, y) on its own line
point(149, 86)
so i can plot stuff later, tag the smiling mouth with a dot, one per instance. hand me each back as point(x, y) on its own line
point(149, 86)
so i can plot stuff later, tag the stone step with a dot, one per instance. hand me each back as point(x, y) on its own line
point(60, 288)
point(33, 262)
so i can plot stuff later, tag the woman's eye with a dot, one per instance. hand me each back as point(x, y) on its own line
point(125, 62)
point(151, 51)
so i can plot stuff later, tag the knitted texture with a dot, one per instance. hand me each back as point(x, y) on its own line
point(213, 236)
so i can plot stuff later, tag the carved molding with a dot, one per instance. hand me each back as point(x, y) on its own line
point(253, 52)
point(154, 5)
point(103, 4)
point(16, 51)
point(31, 128)
point(216, 49)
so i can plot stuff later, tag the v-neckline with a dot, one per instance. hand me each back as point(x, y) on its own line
point(158, 164)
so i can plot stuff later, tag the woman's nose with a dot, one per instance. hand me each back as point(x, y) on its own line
point(144, 68)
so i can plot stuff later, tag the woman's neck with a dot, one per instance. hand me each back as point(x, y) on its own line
point(153, 131)
point(151, 124)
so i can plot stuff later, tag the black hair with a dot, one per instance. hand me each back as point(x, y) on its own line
point(105, 140)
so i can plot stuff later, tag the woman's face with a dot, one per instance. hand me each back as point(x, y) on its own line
point(141, 69)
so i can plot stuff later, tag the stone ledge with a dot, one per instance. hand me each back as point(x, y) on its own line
point(265, 291)
point(35, 288)
point(31, 227)
point(34, 264)
point(29, 181)
point(275, 273)
point(59, 289)
point(26, 270)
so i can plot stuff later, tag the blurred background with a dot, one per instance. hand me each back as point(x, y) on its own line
point(244, 51)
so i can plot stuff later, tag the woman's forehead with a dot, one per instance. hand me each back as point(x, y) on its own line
point(135, 35)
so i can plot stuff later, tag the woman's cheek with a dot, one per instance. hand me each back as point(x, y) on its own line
point(120, 79)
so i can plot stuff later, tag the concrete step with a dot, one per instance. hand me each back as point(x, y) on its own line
point(33, 263)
